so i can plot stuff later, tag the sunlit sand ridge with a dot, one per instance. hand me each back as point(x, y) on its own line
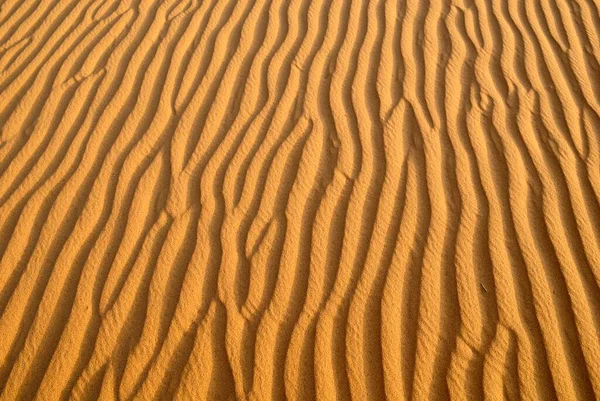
point(299, 199)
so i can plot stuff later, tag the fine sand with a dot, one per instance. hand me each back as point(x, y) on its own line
point(299, 199)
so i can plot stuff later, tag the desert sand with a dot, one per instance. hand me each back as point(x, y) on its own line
point(299, 199)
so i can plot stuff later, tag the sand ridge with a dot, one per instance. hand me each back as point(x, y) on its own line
point(299, 199)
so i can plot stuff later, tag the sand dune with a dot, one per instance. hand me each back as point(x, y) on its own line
point(299, 199)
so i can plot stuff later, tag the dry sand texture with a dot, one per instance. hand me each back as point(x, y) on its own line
point(299, 199)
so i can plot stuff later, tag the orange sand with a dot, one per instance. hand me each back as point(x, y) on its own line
point(299, 199)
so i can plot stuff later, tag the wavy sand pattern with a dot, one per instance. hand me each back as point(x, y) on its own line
point(299, 199)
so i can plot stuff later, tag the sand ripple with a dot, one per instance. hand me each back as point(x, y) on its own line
point(299, 199)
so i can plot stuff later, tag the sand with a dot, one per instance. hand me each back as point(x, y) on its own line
point(299, 199)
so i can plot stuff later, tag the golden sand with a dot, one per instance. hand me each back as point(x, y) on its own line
point(299, 199)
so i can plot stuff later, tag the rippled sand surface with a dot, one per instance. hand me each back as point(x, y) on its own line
point(299, 199)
